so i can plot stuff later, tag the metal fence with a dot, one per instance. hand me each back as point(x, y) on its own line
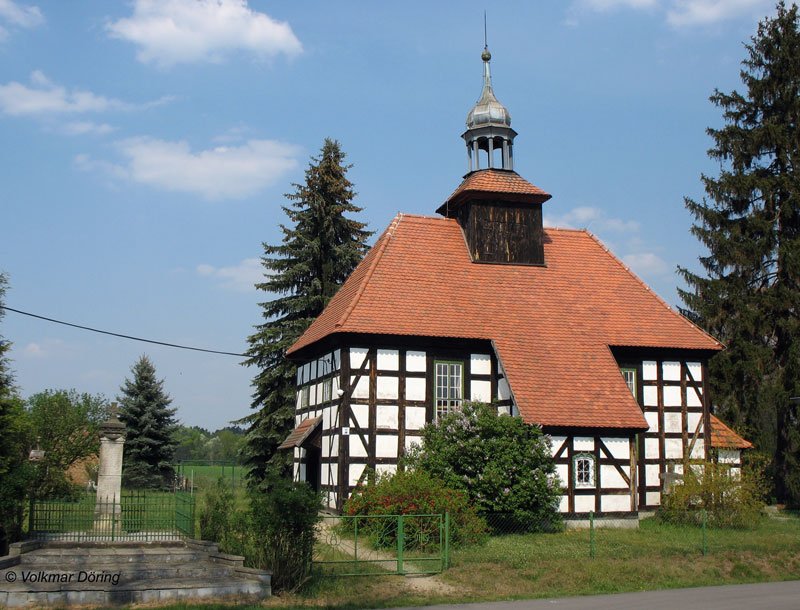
point(191, 475)
point(135, 516)
point(382, 544)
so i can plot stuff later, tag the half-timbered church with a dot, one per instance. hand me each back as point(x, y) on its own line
point(482, 303)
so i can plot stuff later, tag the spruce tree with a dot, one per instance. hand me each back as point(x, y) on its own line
point(150, 436)
point(320, 247)
point(750, 224)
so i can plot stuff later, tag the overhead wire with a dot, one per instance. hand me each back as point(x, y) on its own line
point(122, 336)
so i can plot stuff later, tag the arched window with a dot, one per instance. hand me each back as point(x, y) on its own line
point(584, 469)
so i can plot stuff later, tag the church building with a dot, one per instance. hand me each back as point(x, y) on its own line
point(483, 303)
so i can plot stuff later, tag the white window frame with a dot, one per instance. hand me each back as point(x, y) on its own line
point(591, 471)
point(630, 377)
point(451, 381)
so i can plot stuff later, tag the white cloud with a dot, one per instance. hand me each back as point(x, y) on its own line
point(44, 349)
point(678, 13)
point(684, 13)
point(242, 277)
point(170, 32)
point(591, 218)
point(24, 16)
point(79, 128)
point(646, 263)
point(45, 97)
point(224, 172)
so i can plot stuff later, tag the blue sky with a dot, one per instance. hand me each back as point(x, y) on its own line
point(148, 145)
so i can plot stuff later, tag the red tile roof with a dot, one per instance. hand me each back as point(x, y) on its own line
point(299, 435)
point(723, 437)
point(502, 184)
point(551, 326)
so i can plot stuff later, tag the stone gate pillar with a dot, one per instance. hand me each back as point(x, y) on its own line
point(109, 477)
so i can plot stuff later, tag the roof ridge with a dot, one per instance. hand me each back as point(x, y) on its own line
point(566, 229)
point(650, 290)
point(384, 240)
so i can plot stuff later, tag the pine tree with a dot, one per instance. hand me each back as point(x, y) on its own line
point(150, 435)
point(750, 225)
point(320, 248)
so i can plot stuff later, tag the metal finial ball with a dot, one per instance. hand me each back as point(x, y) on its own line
point(486, 56)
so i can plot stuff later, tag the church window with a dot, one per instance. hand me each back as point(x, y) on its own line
point(449, 387)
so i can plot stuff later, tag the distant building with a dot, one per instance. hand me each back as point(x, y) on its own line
point(484, 304)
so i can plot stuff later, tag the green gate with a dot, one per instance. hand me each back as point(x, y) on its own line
point(382, 544)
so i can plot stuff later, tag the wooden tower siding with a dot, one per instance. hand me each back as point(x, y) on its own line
point(503, 232)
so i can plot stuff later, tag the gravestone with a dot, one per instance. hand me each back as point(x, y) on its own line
point(109, 477)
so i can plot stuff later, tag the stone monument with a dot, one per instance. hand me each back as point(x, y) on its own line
point(109, 477)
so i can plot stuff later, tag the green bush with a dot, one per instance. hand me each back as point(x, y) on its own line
point(712, 492)
point(276, 531)
point(502, 464)
point(408, 493)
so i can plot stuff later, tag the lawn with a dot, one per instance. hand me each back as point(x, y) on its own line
point(654, 556)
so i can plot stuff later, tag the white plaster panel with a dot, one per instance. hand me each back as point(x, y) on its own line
point(386, 416)
point(610, 478)
point(480, 391)
point(699, 450)
point(582, 443)
point(619, 447)
point(671, 371)
point(335, 388)
point(584, 504)
point(333, 473)
point(328, 414)
point(653, 498)
point(415, 418)
point(652, 420)
point(651, 448)
point(415, 388)
point(480, 364)
point(672, 396)
point(610, 504)
point(503, 391)
point(504, 410)
point(650, 396)
point(388, 360)
point(728, 456)
point(563, 504)
point(555, 444)
point(385, 446)
point(692, 420)
point(361, 414)
point(354, 473)
point(692, 398)
point(314, 394)
point(334, 445)
point(696, 369)
point(562, 470)
point(362, 387)
point(357, 357)
point(385, 469)
point(415, 362)
point(331, 499)
point(649, 370)
point(652, 475)
point(677, 468)
point(388, 387)
point(672, 422)
point(413, 441)
point(673, 449)
point(357, 448)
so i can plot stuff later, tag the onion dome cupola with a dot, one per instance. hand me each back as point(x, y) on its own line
point(489, 127)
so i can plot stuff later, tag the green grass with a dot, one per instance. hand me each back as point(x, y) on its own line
point(203, 476)
point(655, 556)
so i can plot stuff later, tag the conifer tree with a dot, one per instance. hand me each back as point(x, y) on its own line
point(749, 296)
point(149, 437)
point(319, 249)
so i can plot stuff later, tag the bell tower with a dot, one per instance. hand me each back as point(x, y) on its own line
point(489, 135)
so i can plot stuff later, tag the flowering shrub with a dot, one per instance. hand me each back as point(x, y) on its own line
point(408, 493)
point(501, 463)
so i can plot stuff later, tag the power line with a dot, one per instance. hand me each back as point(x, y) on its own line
point(106, 332)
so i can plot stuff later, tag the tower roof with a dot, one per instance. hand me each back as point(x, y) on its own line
point(488, 110)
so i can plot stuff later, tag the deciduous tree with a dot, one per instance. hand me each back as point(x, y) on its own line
point(749, 293)
point(321, 246)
